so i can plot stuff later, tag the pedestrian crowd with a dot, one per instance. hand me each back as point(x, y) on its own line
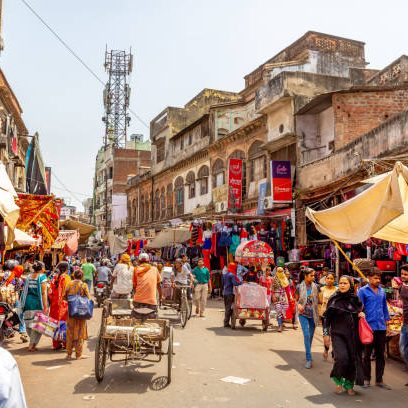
point(340, 308)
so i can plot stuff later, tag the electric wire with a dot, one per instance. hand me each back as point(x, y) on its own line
point(75, 55)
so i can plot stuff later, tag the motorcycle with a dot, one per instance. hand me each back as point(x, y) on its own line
point(8, 321)
point(102, 292)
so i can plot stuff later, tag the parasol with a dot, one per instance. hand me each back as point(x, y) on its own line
point(170, 236)
point(254, 252)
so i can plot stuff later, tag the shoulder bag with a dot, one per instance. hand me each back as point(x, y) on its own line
point(80, 306)
point(365, 332)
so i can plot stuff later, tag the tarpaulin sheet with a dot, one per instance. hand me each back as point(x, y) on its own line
point(381, 212)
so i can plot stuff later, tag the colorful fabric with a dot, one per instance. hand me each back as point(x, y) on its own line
point(41, 213)
point(279, 299)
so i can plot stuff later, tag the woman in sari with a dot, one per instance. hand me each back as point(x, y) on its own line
point(34, 300)
point(77, 330)
point(279, 298)
point(290, 294)
point(58, 305)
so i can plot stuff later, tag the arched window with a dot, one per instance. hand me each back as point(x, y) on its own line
point(202, 179)
point(142, 210)
point(239, 154)
point(163, 203)
point(258, 166)
point(169, 200)
point(157, 204)
point(133, 212)
point(190, 181)
point(218, 171)
point(179, 195)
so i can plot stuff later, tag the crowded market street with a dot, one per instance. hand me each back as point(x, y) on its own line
point(205, 353)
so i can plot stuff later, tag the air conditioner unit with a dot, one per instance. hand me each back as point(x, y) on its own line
point(221, 206)
point(268, 203)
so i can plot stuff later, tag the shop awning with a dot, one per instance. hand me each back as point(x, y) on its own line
point(9, 210)
point(381, 211)
point(170, 236)
point(85, 230)
point(23, 239)
point(67, 240)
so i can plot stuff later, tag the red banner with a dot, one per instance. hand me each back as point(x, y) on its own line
point(234, 184)
point(281, 181)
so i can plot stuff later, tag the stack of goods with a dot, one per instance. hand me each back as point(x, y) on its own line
point(8, 294)
point(44, 324)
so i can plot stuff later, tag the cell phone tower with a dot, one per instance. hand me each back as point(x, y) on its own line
point(116, 95)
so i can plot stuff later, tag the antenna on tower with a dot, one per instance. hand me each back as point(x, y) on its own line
point(116, 96)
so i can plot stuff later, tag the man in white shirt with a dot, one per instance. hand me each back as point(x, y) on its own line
point(182, 273)
point(11, 388)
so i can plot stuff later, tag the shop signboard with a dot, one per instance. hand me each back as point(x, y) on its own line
point(281, 181)
point(235, 184)
point(262, 188)
point(219, 194)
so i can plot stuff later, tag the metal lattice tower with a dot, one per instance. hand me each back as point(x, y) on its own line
point(118, 65)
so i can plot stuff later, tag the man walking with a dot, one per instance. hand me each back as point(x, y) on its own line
point(201, 276)
point(230, 280)
point(88, 270)
point(404, 297)
point(375, 308)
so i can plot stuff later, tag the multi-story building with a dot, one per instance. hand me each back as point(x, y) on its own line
point(13, 135)
point(191, 146)
point(113, 168)
point(348, 136)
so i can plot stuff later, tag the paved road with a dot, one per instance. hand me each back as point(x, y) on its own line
point(205, 353)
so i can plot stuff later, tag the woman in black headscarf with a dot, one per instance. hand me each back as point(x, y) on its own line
point(341, 321)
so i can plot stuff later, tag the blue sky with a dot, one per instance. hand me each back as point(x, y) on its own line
point(179, 47)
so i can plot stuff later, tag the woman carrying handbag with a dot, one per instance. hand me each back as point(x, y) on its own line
point(76, 328)
point(341, 321)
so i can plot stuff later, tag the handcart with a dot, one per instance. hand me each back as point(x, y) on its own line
point(124, 338)
point(251, 303)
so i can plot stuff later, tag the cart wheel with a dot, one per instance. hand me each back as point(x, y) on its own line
point(170, 356)
point(183, 312)
point(190, 309)
point(233, 319)
point(265, 324)
point(100, 358)
point(242, 322)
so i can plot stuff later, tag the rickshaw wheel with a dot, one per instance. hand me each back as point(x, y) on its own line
point(183, 312)
point(190, 309)
point(170, 356)
point(100, 358)
point(233, 319)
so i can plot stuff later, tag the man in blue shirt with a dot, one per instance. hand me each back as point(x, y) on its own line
point(230, 280)
point(375, 308)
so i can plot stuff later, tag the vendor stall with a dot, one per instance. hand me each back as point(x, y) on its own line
point(380, 212)
point(254, 252)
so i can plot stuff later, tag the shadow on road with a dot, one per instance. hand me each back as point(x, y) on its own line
point(319, 378)
point(241, 332)
point(51, 363)
point(122, 380)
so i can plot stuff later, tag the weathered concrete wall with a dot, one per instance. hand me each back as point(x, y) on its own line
point(388, 139)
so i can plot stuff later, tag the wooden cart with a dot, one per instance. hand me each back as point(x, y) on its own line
point(123, 338)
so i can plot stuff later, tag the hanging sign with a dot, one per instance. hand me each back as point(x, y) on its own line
point(235, 184)
point(281, 181)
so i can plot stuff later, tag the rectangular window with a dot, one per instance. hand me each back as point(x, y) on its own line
point(190, 139)
point(182, 143)
point(204, 186)
point(258, 169)
point(160, 151)
point(219, 179)
point(191, 190)
point(179, 196)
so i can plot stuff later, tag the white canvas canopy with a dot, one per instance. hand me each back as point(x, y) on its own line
point(8, 208)
point(170, 236)
point(381, 211)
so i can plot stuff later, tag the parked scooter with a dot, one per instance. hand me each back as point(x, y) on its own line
point(8, 321)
